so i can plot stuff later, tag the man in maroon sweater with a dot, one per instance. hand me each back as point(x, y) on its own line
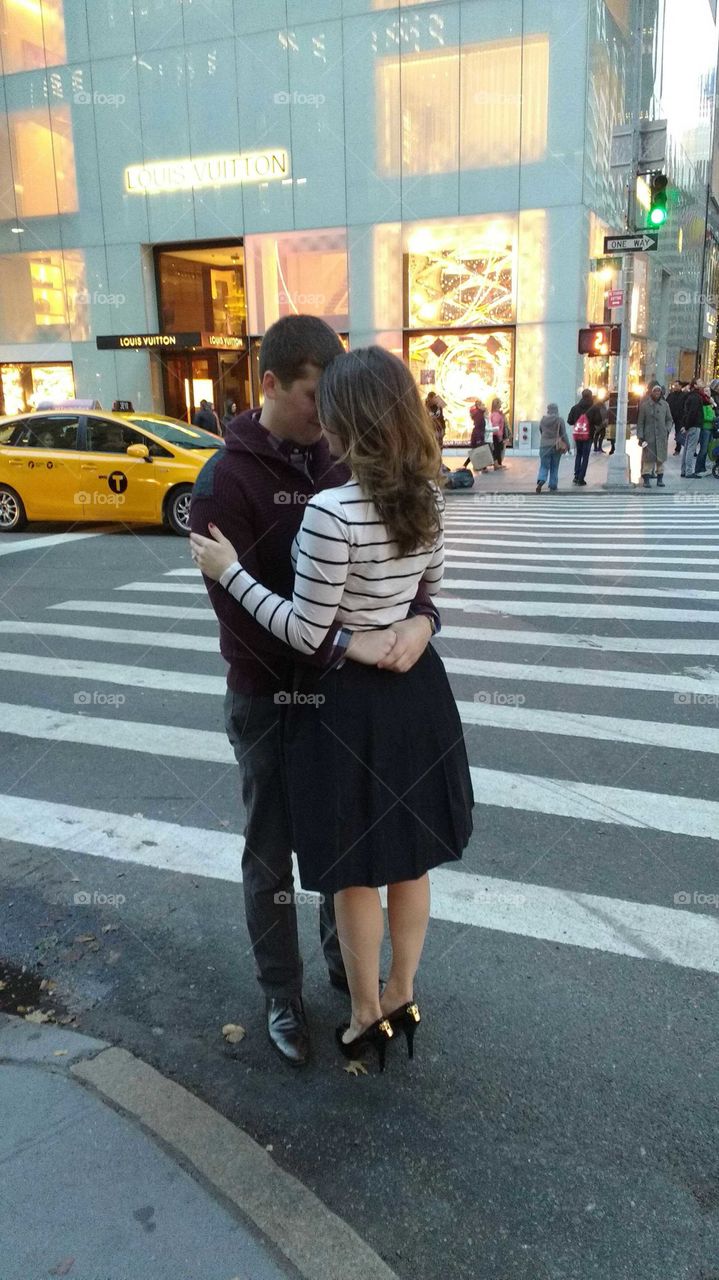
point(255, 491)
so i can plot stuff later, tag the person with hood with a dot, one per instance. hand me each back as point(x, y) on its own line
point(692, 422)
point(582, 448)
point(654, 426)
point(207, 419)
point(256, 490)
point(676, 401)
point(553, 442)
point(710, 410)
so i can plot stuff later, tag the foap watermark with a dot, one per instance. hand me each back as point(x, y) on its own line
point(287, 699)
point(83, 499)
point(93, 698)
point(696, 699)
point(498, 499)
point(85, 899)
point(97, 298)
point(286, 499)
point(286, 899)
point(316, 300)
point(691, 298)
point(95, 99)
point(696, 899)
point(500, 699)
point(694, 500)
point(295, 99)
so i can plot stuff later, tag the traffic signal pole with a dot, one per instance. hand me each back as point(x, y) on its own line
point(618, 467)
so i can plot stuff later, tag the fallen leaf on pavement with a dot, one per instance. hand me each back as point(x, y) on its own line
point(39, 1016)
point(62, 1268)
point(85, 937)
point(233, 1032)
point(110, 928)
point(59, 1053)
point(356, 1069)
point(48, 984)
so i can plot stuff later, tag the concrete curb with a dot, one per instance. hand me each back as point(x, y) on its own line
point(296, 1222)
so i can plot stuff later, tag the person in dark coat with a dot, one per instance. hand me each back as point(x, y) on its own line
point(207, 419)
point(692, 423)
point(478, 414)
point(583, 448)
point(676, 401)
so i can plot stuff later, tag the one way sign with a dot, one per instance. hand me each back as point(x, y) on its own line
point(641, 242)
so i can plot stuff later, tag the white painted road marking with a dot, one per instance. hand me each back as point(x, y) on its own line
point(669, 935)
point(531, 608)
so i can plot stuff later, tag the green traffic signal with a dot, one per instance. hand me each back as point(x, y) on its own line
point(658, 205)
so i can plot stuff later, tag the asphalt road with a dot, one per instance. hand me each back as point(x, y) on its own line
point(560, 1116)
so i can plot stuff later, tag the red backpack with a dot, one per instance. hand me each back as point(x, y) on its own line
point(580, 430)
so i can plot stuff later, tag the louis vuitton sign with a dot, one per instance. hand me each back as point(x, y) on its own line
point(207, 171)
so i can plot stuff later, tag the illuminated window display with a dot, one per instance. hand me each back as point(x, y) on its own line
point(32, 34)
point(466, 282)
point(462, 368)
point(45, 297)
point(24, 386)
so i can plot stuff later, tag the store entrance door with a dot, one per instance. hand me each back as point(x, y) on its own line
point(221, 378)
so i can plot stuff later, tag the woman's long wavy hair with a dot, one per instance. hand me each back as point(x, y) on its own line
point(369, 398)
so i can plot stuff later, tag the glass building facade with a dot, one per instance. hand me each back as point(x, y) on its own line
point(434, 176)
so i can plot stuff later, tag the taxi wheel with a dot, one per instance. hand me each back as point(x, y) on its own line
point(177, 509)
point(12, 511)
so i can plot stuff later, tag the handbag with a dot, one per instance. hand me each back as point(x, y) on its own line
point(481, 457)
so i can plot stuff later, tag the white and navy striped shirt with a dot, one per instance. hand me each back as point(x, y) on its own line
point(347, 571)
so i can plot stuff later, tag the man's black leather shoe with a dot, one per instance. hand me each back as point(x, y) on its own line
point(287, 1029)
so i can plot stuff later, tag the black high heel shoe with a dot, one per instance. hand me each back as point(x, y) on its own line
point(407, 1018)
point(376, 1037)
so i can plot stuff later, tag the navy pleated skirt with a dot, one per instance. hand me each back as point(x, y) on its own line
point(378, 782)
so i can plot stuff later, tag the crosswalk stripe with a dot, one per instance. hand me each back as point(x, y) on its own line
point(523, 541)
point(505, 565)
point(207, 643)
point(578, 528)
point(113, 635)
point(517, 672)
point(177, 588)
point(576, 589)
point(601, 678)
point(612, 925)
point(202, 612)
point(555, 553)
point(588, 801)
point(562, 640)
point(25, 721)
point(638, 613)
point(41, 544)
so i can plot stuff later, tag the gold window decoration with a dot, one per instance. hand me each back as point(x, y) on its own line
point(467, 281)
point(43, 159)
point(32, 34)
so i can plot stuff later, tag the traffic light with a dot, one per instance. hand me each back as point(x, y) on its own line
point(657, 215)
point(600, 340)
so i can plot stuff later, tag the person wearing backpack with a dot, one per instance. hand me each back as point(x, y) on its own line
point(582, 432)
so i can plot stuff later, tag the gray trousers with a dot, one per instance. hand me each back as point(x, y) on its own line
point(690, 444)
point(253, 727)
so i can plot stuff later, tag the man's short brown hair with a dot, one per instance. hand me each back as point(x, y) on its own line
point(294, 342)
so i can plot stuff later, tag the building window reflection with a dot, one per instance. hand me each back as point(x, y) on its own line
point(44, 297)
point(462, 368)
point(482, 107)
point(32, 34)
point(203, 288)
point(43, 161)
point(24, 386)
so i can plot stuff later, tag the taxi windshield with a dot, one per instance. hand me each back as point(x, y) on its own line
point(176, 432)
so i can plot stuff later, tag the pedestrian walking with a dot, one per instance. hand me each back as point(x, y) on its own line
point(654, 425)
point(256, 489)
point(692, 424)
point(553, 444)
point(676, 401)
point(206, 418)
point(583, 428)
point(709, 411)
point(500, 432)
point(478, 439)
point(350, 834)
point(603, 421)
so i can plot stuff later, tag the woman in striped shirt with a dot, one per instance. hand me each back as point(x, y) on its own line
point(377, 778)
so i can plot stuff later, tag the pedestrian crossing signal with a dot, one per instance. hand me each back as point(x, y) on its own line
point(600, 340)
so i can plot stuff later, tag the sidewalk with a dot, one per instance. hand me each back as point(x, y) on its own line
point(519, 474)
point(112, 1172)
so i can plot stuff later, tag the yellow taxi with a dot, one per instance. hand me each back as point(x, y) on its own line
point(89, 465)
